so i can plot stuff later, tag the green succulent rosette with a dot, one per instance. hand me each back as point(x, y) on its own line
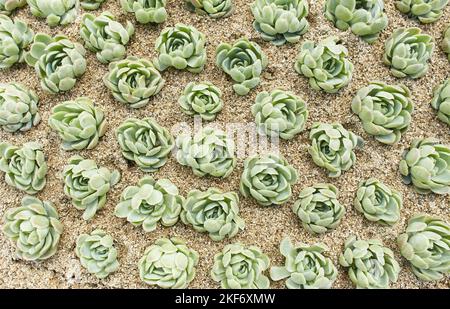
point(441, 101)
point(209, 152)
point(212, 8)
point(8, 6)
point(426, 164)
point(150, 202)
point(87, 185)
point(426, 245)
point(25, 167)
point(18, 108)
point(145, 142)
point(325, 64)
point(268, 179)
point(426, 11)
point(446, 42)
point(318, 208)
point(213, 212)
point(91, 5)
point(168, 263)
point(280, 113)
point(244, 62)
point(370, 264)
point(181, 47)
point(407, 52)
point(203, 99)
point(58, 61)
point(305, 266)
point(34, 228)
point(241, 267)
point(384, 110)
point(105, 36)
point(56, 12)
point(146, 11)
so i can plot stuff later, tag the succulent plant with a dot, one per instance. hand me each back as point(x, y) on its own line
point(370, 264)
point(407, 52)
point(79, 123)
point(105, 36)
point(203, 99)
point(34, 227)
point(244, 62)
point(332, 147)
point(240, 267)
point(385, 110)
point(133, 81)
point(18, 108)
point(305, 266)
point(7, 6)
point(15, 37)
point(441, 101)
point(318, 208)
point(213, 212)
point(426, 245)
point(57, 61)
point(325, 64)
point(280, 113)
point(446, 42)
point(91, 5)
point(280, 21)
point(56, 12)
point(426, 11)
point(212, 8)
point(365, 18)
point(181, 47)
point(145, 142)
point(87, 185)
point(426, 164)
point(150, 202)
point(377, 202)
point(146, 11)
point(24, 167)
point(97, 253)
point(268, 179)
point(168, 263)
point(208, 152)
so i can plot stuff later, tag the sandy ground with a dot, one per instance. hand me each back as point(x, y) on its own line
point(264, 226)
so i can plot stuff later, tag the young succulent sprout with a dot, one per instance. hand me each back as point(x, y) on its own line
point(426, 11)
point(212, 8)
point(441, 101)
point(8, 6)
point(446, 42)
point(146, 11)
point(203, 99)
point(91, 5)
point(56, 12)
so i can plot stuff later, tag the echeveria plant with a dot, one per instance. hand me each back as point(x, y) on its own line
point(212, 8)
point(441, 101)
point(446, 42)
point(426, 11)
point(8, 6)
point(146, 11)
point(203, 99)
point(56, 12)
point(91, 5)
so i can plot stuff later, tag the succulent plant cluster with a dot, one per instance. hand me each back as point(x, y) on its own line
point(56, 12)
point(441, 101)
point(8, 6)
point(203, 99)
point(91, 5)
point(212, 8)
point(146, 11)
point(446, 42)
point(426, 11)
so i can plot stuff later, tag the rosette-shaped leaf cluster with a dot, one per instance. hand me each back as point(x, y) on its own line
point(18, 108)
point(407, 52)
point(446, 42)
point(56, 12)
point(203, 99)
point(268, 179)
point(213, 212)
point(168, 263)
point(318, 208)
point(332, 147)
point(15, 37)
point(305, 266)
point(7, 6)
point(240, 267)
point(325, 64)
point(79, 123)
point(34, 227)
point(280, 113)
point(87, 185)
point(181, 47)
point(24, 167)
point(133, 81)
point(370, 264)
point(105, 36)
point(377, 202)
point(244, 62)
point(280, 21)
point(212, 8)
point(208, 152)
point(426, 245)
point(441, 101)
point(365, 18)
point(385, 110)
point(426, 11)
point(426, 164)
point(97, 253)
point(150, 202)
point(145, 142)
point(146, 11)
point(57, 61)
point(91, 4)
